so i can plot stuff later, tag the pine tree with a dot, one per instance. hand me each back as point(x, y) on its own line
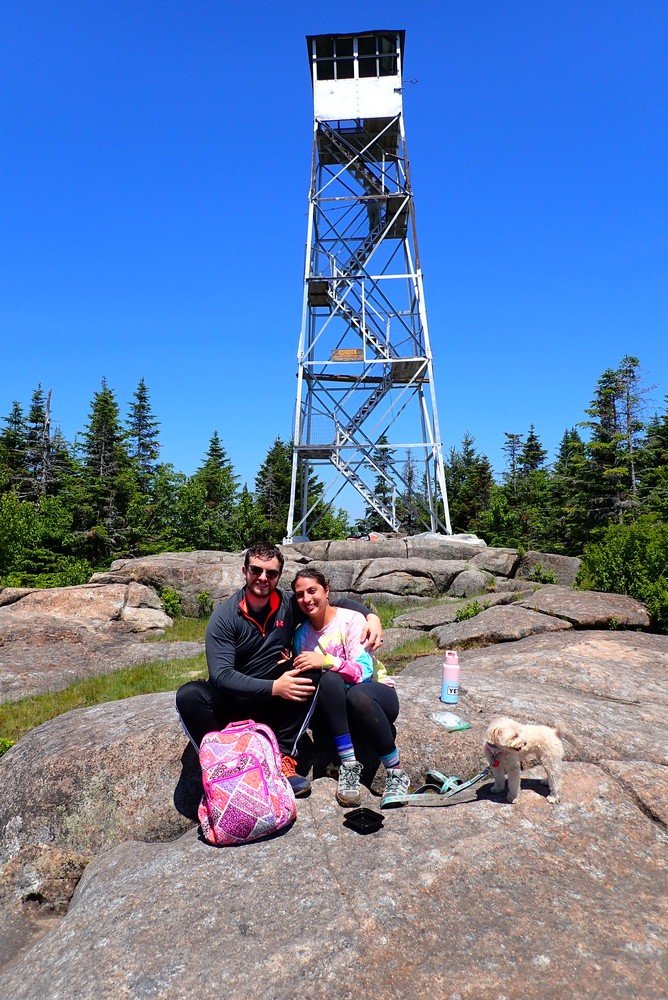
point(248, 524)
point(632, 426)
point(108, 482)
point(272, 500)
point(469, 480)
point(13, 450)
point(653, 466)
point(512, 450)
point(532, 454)
point(38, 444)
point(411, 506)
point(142, 437)
point(272, 490)
point(571, 489)
point(219, 484)
point(615, 428)
point(383, 490)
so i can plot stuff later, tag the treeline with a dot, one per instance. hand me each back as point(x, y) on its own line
point(66, 509)
point(610, 469)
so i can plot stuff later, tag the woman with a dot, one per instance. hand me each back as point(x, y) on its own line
point(329, 641)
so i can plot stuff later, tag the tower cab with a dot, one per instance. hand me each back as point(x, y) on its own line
point(356, 76)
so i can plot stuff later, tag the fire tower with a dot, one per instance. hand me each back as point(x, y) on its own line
point(366, 402)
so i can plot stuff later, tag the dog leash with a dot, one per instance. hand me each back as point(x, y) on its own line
point(439, 790)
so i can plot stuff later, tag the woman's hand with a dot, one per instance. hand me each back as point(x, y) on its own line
point(293, 687)
point(310, 661)
point(372, 637)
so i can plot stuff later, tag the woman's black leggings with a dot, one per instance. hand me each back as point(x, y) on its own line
point(371, 708)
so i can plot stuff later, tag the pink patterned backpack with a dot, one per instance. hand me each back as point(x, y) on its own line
point(246, 795)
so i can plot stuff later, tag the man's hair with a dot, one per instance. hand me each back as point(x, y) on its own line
point(264, 550)
point(311, 574)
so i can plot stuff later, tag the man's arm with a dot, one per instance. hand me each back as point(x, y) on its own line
point(372, 638)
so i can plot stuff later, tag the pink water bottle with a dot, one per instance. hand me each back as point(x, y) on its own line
point(450, 678)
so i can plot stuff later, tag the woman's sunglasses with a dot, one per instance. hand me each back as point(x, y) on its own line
point(271, 574)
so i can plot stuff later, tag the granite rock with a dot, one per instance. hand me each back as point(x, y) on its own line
point(588, 608)
point(564, 568)
point(532, 900)
point(500, 624)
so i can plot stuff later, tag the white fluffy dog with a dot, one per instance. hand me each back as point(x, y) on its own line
point(507, 743)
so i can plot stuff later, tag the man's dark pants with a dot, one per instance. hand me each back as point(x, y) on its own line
point(204, 709)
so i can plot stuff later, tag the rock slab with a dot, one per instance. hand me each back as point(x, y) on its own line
point(532, 900)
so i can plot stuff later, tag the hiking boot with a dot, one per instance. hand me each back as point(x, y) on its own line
point(397, 784)
point(348, 790)
point(300, 785)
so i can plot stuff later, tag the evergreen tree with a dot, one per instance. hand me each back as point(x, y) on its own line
point(469, 480)
point(631, 424)
point(571, 478)
point(532, 454)
point(272, 490)
point(615, 427)
point(142, 436)
point(512, 450)
point(17, 529)
point(108, 482)
point(218, 483)
point(13, 450)
point(653, 465)
point(411, 507)
point(272, 500)
point(38, 444)
point(383, 489)
point(248, 524)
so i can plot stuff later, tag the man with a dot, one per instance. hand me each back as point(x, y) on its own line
point(247, 642)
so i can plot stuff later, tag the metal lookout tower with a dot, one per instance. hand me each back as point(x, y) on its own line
point(366, 402)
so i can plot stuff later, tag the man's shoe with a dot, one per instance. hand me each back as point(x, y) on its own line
point(348, 790)
point(397, 784)
point(300, 785)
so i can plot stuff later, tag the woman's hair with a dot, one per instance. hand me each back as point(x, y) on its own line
point(311, 574)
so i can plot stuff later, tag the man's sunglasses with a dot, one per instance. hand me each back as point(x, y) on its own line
point(272, 574)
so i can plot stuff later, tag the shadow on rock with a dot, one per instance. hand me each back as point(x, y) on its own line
point(188, 790)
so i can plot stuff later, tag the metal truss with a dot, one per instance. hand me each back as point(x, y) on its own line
point(365, 408)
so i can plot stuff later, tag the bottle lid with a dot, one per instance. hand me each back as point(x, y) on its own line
point(451, 657)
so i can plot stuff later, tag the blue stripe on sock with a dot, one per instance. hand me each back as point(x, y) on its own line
point(391, 759)
point(344, 748)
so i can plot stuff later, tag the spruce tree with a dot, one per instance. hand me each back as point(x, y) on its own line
point(512, 450)
point(142, 437)
point(272, 490)
point(219, 484)
point(469, 480)
point(532, 455)
point(108, 482)
point(38, 444)
point(653, 467)
point(13, 451)
point(382, 489)
point(411, 508)
point(615, 427)
point(571, 490)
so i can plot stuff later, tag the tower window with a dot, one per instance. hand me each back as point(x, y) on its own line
point(374, 55)
point(377, 55)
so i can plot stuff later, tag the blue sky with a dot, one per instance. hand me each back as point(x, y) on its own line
point(155, 168)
